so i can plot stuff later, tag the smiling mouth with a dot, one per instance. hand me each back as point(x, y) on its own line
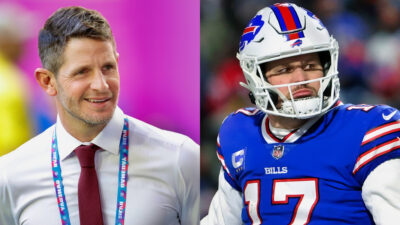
point(97, 100)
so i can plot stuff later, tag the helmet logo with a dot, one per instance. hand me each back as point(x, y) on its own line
point(288, 20)
point(251, 31)
point(297, 42)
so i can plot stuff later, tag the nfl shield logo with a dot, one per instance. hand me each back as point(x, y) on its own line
point(278, 151)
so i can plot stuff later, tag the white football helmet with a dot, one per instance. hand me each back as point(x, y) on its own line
point(281, 31)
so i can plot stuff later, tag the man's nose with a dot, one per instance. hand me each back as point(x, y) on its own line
point(99, 81)
point(299, 75)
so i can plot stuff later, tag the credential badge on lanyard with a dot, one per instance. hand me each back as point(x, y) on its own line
point(122, 178)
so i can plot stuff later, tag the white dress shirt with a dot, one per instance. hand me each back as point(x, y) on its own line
point(163, 177)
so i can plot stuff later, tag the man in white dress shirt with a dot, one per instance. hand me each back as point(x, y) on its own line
point(145, 175)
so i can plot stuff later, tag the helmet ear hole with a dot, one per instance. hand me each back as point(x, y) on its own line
point(325, 59)
point(327, 91)
point(252, 98)
point(263, 68)
point(274, 97)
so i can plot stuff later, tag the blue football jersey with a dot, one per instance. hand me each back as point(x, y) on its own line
point(314, 175)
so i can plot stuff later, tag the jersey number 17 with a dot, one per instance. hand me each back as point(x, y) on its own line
point(306, 189)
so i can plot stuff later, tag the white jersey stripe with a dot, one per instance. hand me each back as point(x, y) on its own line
point(222, 160)
point(375, 152)
point(381, 131)
point(247, 112)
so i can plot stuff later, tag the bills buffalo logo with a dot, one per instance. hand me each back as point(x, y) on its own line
point(298, 42)
point(251, 31)
point(277, 153)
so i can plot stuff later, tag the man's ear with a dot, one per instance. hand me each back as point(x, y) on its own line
point(46, 80)
point(117, 56)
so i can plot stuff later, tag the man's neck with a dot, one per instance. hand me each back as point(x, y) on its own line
point(285, 122)
point(79, 129)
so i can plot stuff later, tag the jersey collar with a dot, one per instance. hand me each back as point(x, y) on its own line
point(293, 136)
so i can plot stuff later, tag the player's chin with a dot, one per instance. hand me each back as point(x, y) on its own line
point(98, 116)
point(97, 119)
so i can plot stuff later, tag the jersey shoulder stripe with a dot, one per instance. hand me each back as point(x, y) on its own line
point(380, 141)
point(380, 131)
point(375, 152)
point(247, 111)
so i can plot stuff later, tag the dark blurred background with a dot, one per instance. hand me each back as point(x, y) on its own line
point(368, 32)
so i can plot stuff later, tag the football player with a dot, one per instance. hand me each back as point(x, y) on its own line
point(302, 156)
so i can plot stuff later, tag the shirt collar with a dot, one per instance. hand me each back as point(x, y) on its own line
point(108, 139)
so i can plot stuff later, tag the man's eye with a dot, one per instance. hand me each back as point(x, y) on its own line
point(283, 70)
point(280, 71)
point(312, 66)
point(108, 67)
point(309, 66)
point(82, 71)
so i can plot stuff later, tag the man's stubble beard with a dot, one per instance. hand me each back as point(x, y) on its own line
point(81, 116)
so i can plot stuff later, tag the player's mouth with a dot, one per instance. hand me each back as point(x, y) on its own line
point(302, 93)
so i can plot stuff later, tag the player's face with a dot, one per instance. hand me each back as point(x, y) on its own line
point(296, 69)
point(88, 81)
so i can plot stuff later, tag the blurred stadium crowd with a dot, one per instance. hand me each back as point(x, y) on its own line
point(368, 32)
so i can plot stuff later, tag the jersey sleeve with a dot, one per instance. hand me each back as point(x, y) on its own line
point(189, 163)
point(381, 193)
point(226, 205)
point(228, 174)
point(230, 142)
point(381, 142)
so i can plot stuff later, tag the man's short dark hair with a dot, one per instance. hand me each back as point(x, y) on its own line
point(67, 23)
